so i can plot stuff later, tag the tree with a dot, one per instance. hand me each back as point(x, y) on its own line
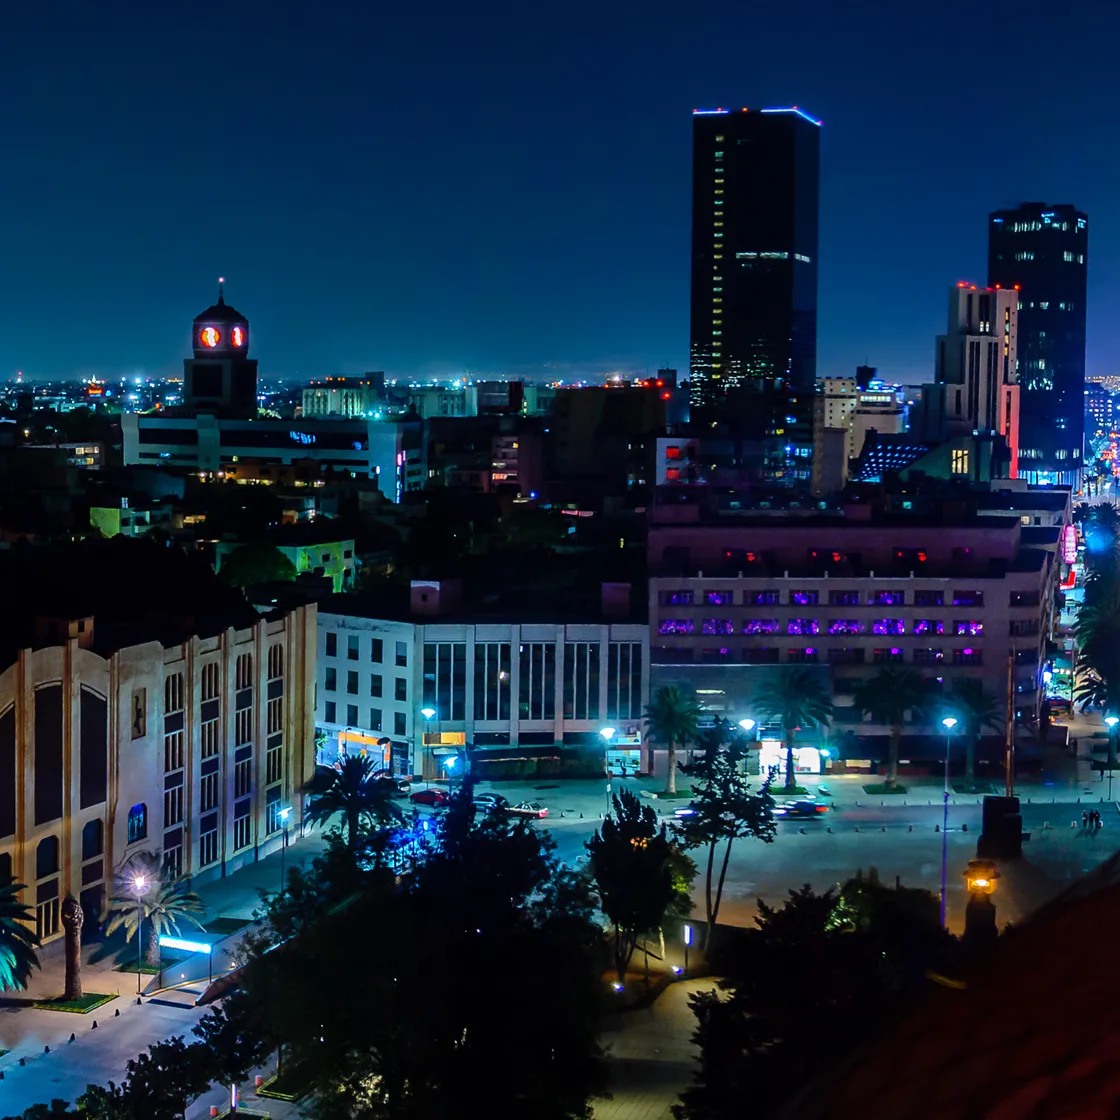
point(629, 864)
point(797, 699)
point(256, 563)
point(979, 711)
point(235, 1041)
point(672, 718)
point(72, 919)
point(723, 809)
point(887, 697)
point(164, 910)
point(18, 940)
point(351, 791)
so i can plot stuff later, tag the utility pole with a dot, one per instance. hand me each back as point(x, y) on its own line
point(1009, 750)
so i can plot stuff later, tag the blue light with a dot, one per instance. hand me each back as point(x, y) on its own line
point(799, 112)
point(184, 945)
point(708, 112)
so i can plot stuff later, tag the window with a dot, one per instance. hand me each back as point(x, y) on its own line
point(275, 662)
point(173, 751)
point(967, 656)
point(804, 598)
point(445, 679)
point(672, 474)
point(929, 598)
point(845, 626)
point(491, 680)
point(725, 626)
point(352, 683)
point(751, 626)
point(718, 598)
point(244, 671)
point(888, 598)
point(927, 656)
point(802, 626)
point(537, 685)
point(273, 823)
point(676, 626)
point(329, 712)
point(351, 647)
point(672, 452)
point(47, 909)
point(274, 715)
point(243, 727)
point(807, 654)
point(46, 857)
point(765, 598)
point(757, 655)
point(581, 680)
point(173, 806)
point(402, 655)
point(375, 650)
point(845, 656)
point(888, 626)
point(93, 840)
point(968, 598)
point(330, 681)
point(274, 763)
point(970, 626)
point(624, 680)
point(210, 678)
point(375, 719)
point(242, 777)
point(400, 690)
point(242, 825)
point(173, 694)
point(1024, 599)
point(137, 823)
point(351, 715)
point(959, 460)
point(332, 645)
point(208, 845)
point(927, 626)
point(881, 656)
point(1023, 628)
point(400, 723)
point(843, 599)
point(209, 737)
point(208, 792)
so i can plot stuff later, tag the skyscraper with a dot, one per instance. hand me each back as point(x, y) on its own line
point(754, 251)
point(1044, 250)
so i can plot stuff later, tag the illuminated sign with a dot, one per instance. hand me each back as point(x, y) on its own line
point(185, 946)
point(305, 438)
point(238, 336)
point(210, 337)
point(1069, 544)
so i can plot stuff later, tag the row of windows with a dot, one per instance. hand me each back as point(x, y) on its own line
point(896, 626)
point(330, 684)
point(376, 649)
point(376, 718)
point(843, 655)
point(173, 692)
point(772, 597)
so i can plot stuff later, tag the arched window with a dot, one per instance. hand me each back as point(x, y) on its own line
point(46, 858)
point(137, 823)
point(5, 867)
point(275, 662)
point(93, 840)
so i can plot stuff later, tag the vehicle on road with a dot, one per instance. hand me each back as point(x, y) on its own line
point(533, 809)
point(490, 802)
point(396, 787)
point(803, 808)
point(682, 811)
point(435, 798)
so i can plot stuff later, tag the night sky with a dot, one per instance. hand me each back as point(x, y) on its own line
point(433, 188)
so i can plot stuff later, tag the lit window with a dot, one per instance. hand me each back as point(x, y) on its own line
point(960, 461)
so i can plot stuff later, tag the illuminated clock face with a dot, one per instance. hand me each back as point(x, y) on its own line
point(238, 336)
point(210, 337)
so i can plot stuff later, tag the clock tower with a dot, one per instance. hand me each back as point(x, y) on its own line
point(221, 377)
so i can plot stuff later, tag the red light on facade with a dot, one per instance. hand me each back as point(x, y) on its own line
point(1016, 287)
point(664, 396)
point(659, 382)
point(962, 283)
point(922, 557)
point(210, 337)
point(997, 287)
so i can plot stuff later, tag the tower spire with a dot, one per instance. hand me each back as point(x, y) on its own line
point(221, 295)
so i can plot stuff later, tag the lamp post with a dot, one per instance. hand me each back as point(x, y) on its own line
point(949, 722)
point(1112, 721)
point(428, 714)
point(747, 724)
point(608, 734)
point(283, 814)
point(139, 889)
point(687, 943)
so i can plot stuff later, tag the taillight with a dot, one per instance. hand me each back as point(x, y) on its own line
point(822, 808)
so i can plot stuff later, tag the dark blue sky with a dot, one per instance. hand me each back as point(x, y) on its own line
point(428, 188)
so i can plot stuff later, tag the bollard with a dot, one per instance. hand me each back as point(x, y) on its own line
point(213, 1110)
point(94, 1027)
point(830, 828)
point(72, 1036)
point(46, 1049)
point(117, 1013)
point(1, 1075)
point(910, 828)
point(964, 828)
point(857, 828)
point(1073, 824)
point(883, 829)
point(581, 816)
point(258, 1081)
point(23, 1061)
point(937, 828)
point(802, 830)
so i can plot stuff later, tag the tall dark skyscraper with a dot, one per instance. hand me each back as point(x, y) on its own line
point(1045, 250)
point(755, 187)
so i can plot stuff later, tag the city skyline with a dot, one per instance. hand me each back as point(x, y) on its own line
point(363, 224)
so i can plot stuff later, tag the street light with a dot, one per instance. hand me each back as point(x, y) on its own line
point(1112, 721)
point(687, 943)
point(140, 887)
point(429, 715)
point(949, 722)
point(747, 724)
point(608, 734)
point(283, 814)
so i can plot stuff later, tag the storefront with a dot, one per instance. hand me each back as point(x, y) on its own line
point(624, 754)
point(806, 760)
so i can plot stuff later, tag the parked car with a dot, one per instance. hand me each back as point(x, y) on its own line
point(490, 802)
point(803, 808)
point(435, 798)
point(533, 809)
point(682, 811)
point(396, 787)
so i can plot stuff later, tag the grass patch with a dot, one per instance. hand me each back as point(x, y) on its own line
point(971, 787)
point(150, 969)
point(881, 789)
point(791, 791)
point(290, 1086)
point(223, 927)
point(680, 795)
point(74, 1006)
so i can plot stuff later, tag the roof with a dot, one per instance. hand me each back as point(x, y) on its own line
point(1031, 1036)
point(220, 312)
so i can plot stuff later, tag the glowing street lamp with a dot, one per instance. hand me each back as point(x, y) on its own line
point(140, 887)
point(747, 724)
point(949, 722)
point(428, 714)
point(283, 815)
point(608, 734)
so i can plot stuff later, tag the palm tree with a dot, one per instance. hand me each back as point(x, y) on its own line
point(979, 710)
point(164, 910)
point(350, 790)
point(672, 718)
point(72, 918)
point(797, 698)
point(887, 697)
point(18, 939)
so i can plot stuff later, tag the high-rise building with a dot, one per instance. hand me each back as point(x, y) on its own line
point(1044, 250)
point(755, 178)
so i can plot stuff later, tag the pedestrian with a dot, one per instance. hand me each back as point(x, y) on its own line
point(1084, 818)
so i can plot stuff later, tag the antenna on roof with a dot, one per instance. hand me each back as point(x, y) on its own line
point(221, 295)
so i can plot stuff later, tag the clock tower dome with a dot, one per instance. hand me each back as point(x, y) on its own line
point(221, 377)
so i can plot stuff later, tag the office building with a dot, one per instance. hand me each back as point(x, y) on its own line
point(754, 267)
point(845, 411)
point(1100, 415)
point(346, 397)
point(1043, 250)
point(528, 680)
point(144, 707)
